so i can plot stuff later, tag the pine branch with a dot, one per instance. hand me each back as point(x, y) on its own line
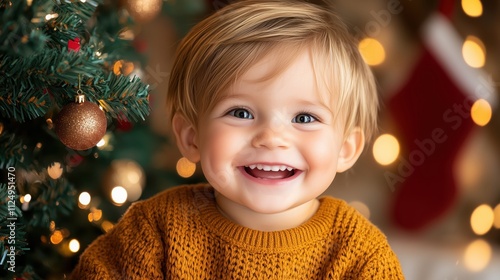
point(69, 22)
point(11, 150)
point(125, 97)
point(51, 198)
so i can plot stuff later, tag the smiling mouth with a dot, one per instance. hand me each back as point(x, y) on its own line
point(270, 172)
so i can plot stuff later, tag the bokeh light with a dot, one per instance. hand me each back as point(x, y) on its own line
point(127, 174)
point(144, 10)
point(496, 213)
point(481, 112)
point(474, 52)
point(481, 219)
point(386, 149)
point(84, 198)
point(472, 8)
point(55, 170)
point(74, 245)
point(106, 226)
point(372, 50)
point(119, 195)
point(56, 237)
point(185, 168)
point(477, 255)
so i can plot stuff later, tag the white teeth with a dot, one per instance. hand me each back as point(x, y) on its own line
point(269, 167)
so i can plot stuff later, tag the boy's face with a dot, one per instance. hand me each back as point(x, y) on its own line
point(272, 145)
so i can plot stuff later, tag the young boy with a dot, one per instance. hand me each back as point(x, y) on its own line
point(273, 99)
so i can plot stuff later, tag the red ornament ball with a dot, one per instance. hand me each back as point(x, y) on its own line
point(80, 126)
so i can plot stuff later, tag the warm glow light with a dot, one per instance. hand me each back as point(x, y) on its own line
point(144, 10)
point(127, 174)
point(481, 112)
point(122, 67)
point(472, 8)
point(372, 51)
point(56, 237)
point(474, 52)
point(496, 222)
point(106, 226)
point(52, 225)
point(84, 198)
point(481, 219)
point(51, 16)
point(362, 208)
point(104, 142)
point(74, 245)
point(477, 255)
point(55, 170)
point(185, 168)
point(27, 198)
point(119, 195)
point(386, 149)
point(101, 143)
point(97, 214)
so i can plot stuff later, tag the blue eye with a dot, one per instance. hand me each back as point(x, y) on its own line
point(304, 118)
point(240, 113)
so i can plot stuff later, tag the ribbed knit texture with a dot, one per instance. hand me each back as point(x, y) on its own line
point(180, 234)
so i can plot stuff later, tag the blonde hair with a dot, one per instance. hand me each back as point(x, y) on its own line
point(225, 45)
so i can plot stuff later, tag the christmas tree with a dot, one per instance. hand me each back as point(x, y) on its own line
point(68, 97)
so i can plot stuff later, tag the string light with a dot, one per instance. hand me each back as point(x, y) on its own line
point(481, 219)
point(27, 198)
point(386, 149)
point(496, 212)
point(121, 67)
point(144, 10)
point(477, 255)
point(103, 144)
point(474, 52)
point(106, 226)
point(372, 50)
point(55, 170)
point(481, 112)
point(94, 215)
point(52, 226)
point(51, 16)
point(127, 174)
point(472, 8)
point(56, 237)
point(119, 195)
point(74, 245)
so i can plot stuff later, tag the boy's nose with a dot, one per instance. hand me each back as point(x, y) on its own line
point(270, 137)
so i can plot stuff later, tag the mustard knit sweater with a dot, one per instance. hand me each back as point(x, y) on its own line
point(180, 234)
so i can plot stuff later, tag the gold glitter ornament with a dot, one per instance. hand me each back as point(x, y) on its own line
point(80, 125)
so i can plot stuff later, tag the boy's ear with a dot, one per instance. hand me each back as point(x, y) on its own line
point(351, 149)
point(185, 136)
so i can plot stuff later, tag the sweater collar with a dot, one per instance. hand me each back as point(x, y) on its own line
point(316, 228)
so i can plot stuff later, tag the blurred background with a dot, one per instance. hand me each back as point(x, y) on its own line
point(429, 179)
